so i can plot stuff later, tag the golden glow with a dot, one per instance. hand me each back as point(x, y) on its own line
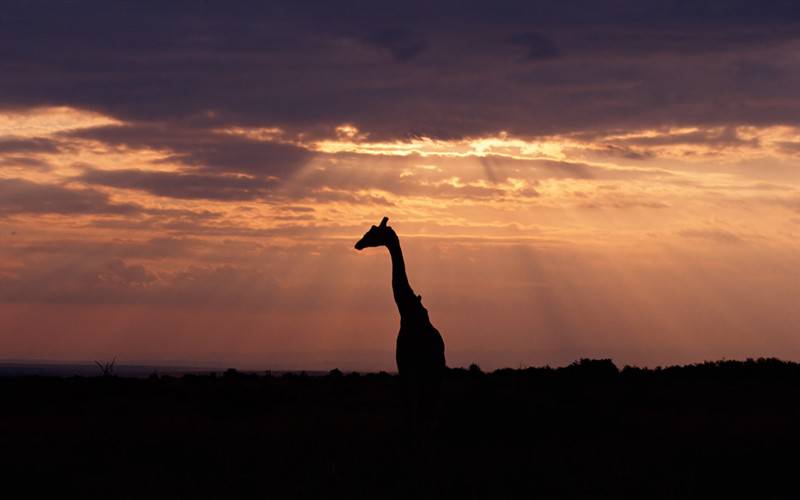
point(618, 245)
point(45, 121)
point(350, 140)
point(274, 134)
point(445, 182)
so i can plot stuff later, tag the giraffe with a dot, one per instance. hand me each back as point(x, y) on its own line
point(420, 348)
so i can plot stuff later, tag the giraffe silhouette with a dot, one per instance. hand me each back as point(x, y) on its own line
point(420, 348)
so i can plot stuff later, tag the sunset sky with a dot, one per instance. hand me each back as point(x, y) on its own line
point(184, 181)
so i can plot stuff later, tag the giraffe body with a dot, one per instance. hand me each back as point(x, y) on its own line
point(420, 348)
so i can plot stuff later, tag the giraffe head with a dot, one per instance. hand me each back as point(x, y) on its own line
point(377, 236)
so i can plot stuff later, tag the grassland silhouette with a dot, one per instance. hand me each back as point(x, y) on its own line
point(589, 430)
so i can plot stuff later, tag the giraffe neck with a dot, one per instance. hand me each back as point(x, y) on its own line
point(403, 294)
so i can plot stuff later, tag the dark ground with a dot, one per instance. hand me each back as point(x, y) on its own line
point(717, 430)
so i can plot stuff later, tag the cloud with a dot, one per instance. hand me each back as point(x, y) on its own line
point(115, 281)
point(203, 148)
point(118, 272)
point(613, 150)
point(19, 196)
point(330, 196)
point(537, 46)
point(715, 235)
point(28, 145)
point(789, 147)
point(181, 185)
point(153, 249)
point(724, 137)
point(627, 64)
point(401, 44)
point(623, 203)
point(25, 162)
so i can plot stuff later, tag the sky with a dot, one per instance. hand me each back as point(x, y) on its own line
point(184, 181)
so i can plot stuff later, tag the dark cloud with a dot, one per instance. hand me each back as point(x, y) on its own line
point(759, 73)
point(120, 273)
point(401, 44)
point(35, 145)
point(25, 162)
point(181, 185)
point(626, 64)
point(726, 137)
point(205, 149)
point(19, 196)
point(537, 46)
point(614, 150)
point(535, 170)
point(789, 147)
